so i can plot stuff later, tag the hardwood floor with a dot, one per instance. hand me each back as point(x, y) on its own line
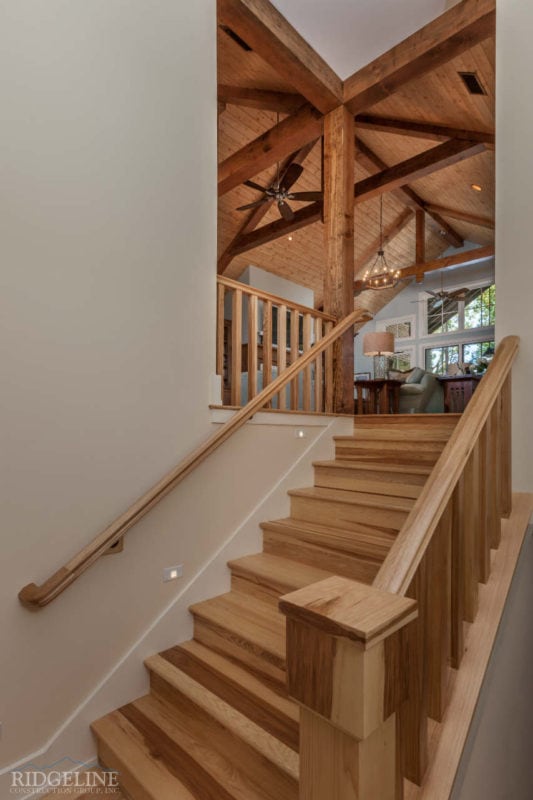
point(217, 723)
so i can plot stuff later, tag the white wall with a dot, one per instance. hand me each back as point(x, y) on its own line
point(406, 303)
point(268, 282)
point(514, 239)
point(107, 230)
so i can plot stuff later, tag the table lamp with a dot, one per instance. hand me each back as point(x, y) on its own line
point(380, 345)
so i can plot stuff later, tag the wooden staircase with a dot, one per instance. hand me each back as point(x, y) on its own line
point(218, 723)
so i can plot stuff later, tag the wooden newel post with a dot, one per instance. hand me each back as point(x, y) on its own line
point(345, 666)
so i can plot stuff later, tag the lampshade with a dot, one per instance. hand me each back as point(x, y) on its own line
point(379, 343)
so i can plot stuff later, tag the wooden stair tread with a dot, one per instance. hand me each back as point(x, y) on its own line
point(422, 469)
point(354, 498)
point(247, 619)
point(359, 540)
point(180, 752)
point(283, 573)
point(251, 696)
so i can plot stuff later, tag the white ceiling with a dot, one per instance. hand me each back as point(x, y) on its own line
point(350, 33)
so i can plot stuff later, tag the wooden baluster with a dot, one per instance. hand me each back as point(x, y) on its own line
point(282, 352)
point(319, 394)
point(295, 342)
point(471, 528)
point(345, 667)
point(267, 345)
point(495, 451)
point(221, 291)
point(484, 539)
point(506, 478)
point(236, 347)
point(438, 615)
point(458, 566)
point(252, 346)
point(307, 323)
point(328, 377)
point(412, 718)
point(492, 510)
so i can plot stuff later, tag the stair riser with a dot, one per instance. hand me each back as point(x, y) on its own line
point(320, 556)
point(246, 653)
point(268, 594)
point(110, 759)
point(351, 480)
point(327, 512)
point(405, 458)
point(384, 434)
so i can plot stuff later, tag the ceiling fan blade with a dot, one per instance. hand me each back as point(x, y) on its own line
point(285, 210)
point(254, 205)
point(306, 197)
point(458, 294)
point(436, 295)
point(256, 186)
point(292, 173)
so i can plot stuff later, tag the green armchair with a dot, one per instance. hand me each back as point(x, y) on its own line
point(421, 393)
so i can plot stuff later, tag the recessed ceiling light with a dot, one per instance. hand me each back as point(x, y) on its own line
point(289, 238)
point(476, 187)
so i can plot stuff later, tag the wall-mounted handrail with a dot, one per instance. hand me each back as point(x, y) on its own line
point(398, 569)
point(34, 596)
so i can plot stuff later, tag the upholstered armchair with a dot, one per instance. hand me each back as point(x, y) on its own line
point(421, 393)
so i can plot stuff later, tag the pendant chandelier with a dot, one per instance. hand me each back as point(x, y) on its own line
point(380, 275)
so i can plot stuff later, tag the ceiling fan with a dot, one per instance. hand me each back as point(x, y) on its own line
point(280, 191)
point(443, 294)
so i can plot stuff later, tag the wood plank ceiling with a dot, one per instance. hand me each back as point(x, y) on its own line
point(439, 98)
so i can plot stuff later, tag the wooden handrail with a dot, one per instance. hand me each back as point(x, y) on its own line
point(399, 568)
point(273, 298)
point(33, 596)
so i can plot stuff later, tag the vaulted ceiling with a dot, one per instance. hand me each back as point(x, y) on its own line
point(454, 210)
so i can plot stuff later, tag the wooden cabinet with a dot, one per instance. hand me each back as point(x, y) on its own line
point(458, 391)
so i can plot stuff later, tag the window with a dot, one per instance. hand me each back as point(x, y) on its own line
point(402, 360)
point(400, 327)
point(438, 359)
point(480, 307)
point(476, 309)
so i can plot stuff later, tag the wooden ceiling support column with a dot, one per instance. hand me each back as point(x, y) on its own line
point(454, 32)
point(269, 34)
point(339, 167)
point(373, 163)
point(419, 270)
point(257, 214)
point(437, 158)
point(420, 248)
point(421, 130)
point(289, 135)
point(262, 99)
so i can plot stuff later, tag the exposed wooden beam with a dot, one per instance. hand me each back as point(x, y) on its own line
point(373, 163)
point(338, 200)
point(457, 30)
point(257, 214)
point(281, 227)
point(464, 216)
point(421, 130)
point(419, 270)
point(420, 244)
point(269, 34)
point(390, 232)
point(289, 135)
point(263, 99)
point(440, 157)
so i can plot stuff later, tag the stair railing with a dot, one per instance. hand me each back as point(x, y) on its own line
point(258, 335)
point(34, 596)
point(369, 664)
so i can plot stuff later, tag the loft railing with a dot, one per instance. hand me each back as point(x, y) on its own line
point(34, 596)
point(258, 335)
point(369, 664)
